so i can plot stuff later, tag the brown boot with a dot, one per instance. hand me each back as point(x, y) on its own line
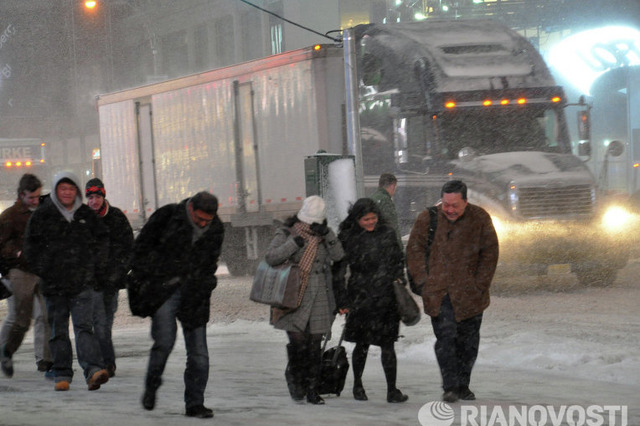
point(98, 378)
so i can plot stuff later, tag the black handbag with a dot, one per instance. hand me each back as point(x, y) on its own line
point(407, 306)
point(147, 295)
point(277, 286)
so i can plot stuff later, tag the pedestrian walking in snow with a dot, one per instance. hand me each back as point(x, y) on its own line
point(307, 240)
point(374, 260)
point(105, 297)
point(174, 261)
point(455, 282)
point(27, 300)
point(387, 184)
point(65, 245)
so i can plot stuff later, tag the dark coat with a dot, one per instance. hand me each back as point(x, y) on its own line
point(165, 259)
point(67, 256)
point(463, 259)
point(375, 261)
point(120, 246)
point(13, 223)
point(387, 210)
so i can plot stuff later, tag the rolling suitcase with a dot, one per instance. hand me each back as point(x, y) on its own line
point(334, 368)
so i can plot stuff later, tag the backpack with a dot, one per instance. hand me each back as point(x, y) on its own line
point(433, 224)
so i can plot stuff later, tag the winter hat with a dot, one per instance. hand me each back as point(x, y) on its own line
point(313, 210)
point(95, 186)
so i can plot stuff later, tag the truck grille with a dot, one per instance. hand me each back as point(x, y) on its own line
point(556, 202)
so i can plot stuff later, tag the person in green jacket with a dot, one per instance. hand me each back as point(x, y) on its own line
point(387, 185)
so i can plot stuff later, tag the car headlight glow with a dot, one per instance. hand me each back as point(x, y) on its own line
point(616, 219)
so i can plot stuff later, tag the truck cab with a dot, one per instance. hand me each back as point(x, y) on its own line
point(475, 101)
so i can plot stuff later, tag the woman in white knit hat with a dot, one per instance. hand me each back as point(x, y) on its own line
point(306, 239)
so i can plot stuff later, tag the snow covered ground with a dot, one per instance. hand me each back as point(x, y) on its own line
point(548, 348)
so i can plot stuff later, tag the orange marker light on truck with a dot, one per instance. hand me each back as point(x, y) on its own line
point(450, 104)
point(556, 99)
point(487, 102)
point(504, 102)
point(522, 101)
point(317, 47)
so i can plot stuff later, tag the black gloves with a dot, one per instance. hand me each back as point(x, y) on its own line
point(320, 229)
point(299, 240)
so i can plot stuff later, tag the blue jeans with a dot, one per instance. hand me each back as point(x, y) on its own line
point(456, 345)
point(105, 306)
point(163, 332)
point(80, 308)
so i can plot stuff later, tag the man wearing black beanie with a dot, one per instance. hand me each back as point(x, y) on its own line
point(105, 299)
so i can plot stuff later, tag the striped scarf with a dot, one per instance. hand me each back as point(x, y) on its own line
point(308, 256)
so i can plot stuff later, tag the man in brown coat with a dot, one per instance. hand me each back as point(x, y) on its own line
point(27, 301)
point(455, 282)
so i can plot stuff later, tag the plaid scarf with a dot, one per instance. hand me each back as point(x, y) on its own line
point(308, 256)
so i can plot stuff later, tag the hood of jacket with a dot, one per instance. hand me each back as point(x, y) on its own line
point(67, 214)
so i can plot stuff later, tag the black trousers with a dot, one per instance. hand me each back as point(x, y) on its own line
point(456, 346)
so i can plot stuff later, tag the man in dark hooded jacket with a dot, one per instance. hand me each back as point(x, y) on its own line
point(172, 276)
point(66, 245)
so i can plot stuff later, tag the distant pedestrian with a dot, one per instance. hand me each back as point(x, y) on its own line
point(373, 261)
point(27, 301)
point(66, 244)
point(307, 240)
point(455, 282)
point(174, 261)
point(387, 184)
point(112, 279)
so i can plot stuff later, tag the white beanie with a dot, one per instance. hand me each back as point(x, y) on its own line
point(313, 210)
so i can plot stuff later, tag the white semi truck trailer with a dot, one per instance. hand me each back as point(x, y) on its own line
point(434, 100)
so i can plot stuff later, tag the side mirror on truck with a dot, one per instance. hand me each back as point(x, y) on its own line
point(615, 148)
point(584, 125)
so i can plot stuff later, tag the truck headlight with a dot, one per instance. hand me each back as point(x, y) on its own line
point(616, 219)
point(500, 226)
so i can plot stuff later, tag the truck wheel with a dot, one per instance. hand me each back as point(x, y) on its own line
point(597, 276)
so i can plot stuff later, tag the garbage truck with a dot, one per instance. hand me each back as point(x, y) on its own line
point(433, 100)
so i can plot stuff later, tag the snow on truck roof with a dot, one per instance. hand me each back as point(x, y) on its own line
point(468, 54)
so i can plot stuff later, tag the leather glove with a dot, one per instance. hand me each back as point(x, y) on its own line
point(299, 240)
point(320, 229)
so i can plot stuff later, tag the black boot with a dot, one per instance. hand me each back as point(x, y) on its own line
point(313, 397)
point(294, 374)
point(313, 374)
point(151, 387)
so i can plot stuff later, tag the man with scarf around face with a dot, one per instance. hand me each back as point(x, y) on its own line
point(307, 240)
point(105, 297)
point(65, 245)
point(172, 276)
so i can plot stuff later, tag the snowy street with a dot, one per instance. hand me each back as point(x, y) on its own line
point(576, 348)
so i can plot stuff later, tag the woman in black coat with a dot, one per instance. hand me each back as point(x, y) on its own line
point(375, 261)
